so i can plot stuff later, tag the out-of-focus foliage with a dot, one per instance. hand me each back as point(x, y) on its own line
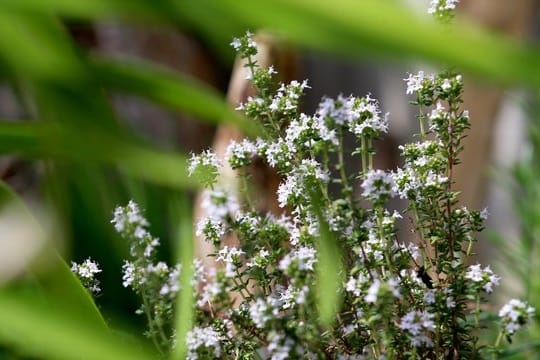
point(91, 161)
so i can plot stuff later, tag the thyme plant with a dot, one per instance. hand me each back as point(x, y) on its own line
point(417, 298)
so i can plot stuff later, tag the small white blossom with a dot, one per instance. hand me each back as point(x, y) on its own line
point(484, 277)
point(206, 159)
point(280, 347)
point(515, 314)
point(231, 258)
point(87, 269)
point(303, 257)
point(172, 285)
point(128, 273)
point(86, 272)
point(219, 204)
point(211, 228)
point(419, 325)
point(205, 337)
point(240, 154)
point(378, 185)
point(439, 6)
point(416, 83)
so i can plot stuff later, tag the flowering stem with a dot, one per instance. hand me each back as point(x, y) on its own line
point(421, 117)
point(370, 152)
point(151, 323)
point(363, 150)
point(244, 175)
point(495, 354)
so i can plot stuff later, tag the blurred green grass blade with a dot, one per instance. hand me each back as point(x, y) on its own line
point(40, 140)
point(388, 28)
point(94, 9)
point(183, 210)
point(49, 333)
point(168, 88)
point(30, 45)
point(348, 27)
point(524, 348)
point(328, 267)
point(328, 272)
point(59, 285)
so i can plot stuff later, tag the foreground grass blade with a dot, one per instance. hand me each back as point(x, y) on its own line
point(328, 268)
point(388, 28)
point(44, 331)
point(347, 27)
point(183, 210)
point(46, 141)
point(59, 285)
point(168, 88)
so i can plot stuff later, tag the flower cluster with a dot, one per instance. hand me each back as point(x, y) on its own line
point(515, 314)
point(399, 298)
point(154, 281)
point(442, 9)
point(86, 272)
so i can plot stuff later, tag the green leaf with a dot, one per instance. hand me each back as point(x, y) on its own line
point(328, 268)
point(46, 141)
point(59, 285)
point(170, 89)
point(184, 243)
point(45, 331)
point(389, 29)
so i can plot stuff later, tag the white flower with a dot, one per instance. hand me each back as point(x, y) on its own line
point(209, 292)
point(219, 204)
point(369, 117)
point(288, 189)
point(263, 310)
point(293, 296)
point(279, 346)
point(438, 6)
point(378, 185)
point(87, 269)
point(211, 228)
point(373, 291)
point(304, 257)
point(207, 159)
point(129, 218)
point(231, 258)
point(240, 154)
point(515, 314)
point(484, 277)
point(416, 83)
point(279, 153)
point(419, 325)
point(128, 273)
point(203, 337)
point(172, 285)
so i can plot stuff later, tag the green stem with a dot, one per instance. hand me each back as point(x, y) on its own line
point(364, 155)
point(370, 152)
point(151, 323)
point(495, 354)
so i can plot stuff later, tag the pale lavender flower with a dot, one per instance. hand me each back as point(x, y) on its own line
point(515, 314)
point(419, 325)
point(219, 204)
point(303, 257)
point(203, 337)
point(378, 185)
point(483, 277)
